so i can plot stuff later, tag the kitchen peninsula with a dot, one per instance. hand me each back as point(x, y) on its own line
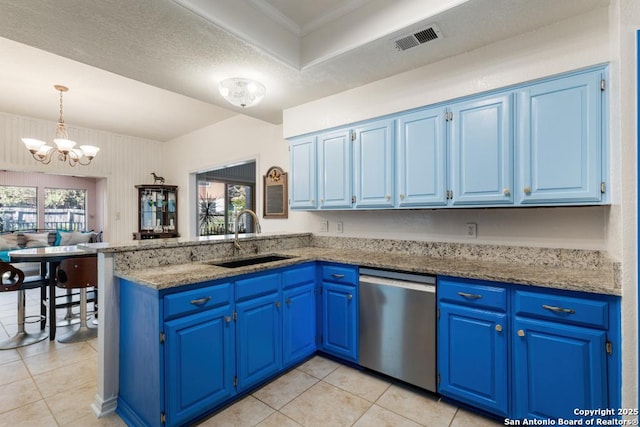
point(171, 267)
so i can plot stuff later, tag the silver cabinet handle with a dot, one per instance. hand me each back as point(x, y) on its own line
point(388, 197)
point(402, 197)
point(337, 276)
point(499, 328)
point(469, 296)
point(527, 190)
point(200, 301)
point(349, 297)
point(520, 333)
point(288, 301)
point(227, 319)
point(506, 191)
point(278, 304)
point(558, 309)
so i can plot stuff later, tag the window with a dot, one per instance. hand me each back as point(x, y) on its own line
point(65, 209)
point(18, 208)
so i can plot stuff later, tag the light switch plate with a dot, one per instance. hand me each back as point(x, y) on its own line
point(324, 226)
point(339, 226)
point(472, 230)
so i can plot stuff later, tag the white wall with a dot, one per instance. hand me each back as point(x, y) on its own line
point(122, 162)
point(235, 140)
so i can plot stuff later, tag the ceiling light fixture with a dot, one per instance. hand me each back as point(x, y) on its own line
point(64, 146)
point(242, 92)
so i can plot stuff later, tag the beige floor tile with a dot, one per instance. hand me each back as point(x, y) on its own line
point(17, 394)
point(111, 420)
point(318, 366)
point(31, 415)
point(67, 378)
point(247, 412)
point(71, 405)
point(284, 389)
point(7, 356)
point(62, 356)
point(278, 420)
point(360, 383)
point(420, 407)
point(465, 418)
point(40, 347)
point(326, 405)
point(377, 416)
point(12, 372)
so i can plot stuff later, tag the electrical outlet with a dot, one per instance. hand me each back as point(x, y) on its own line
point(471, 230)
point(324, 226)
point(339, 226)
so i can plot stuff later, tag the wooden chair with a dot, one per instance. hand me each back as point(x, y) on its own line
point(79, 273)
point(13, 280)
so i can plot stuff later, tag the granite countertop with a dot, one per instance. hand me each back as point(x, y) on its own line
point(601, 280)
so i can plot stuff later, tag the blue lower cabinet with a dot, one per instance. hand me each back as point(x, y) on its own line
point(472, 357)
point(259, 339)
point(558, 368)
point(339, 320)
point(299, 322)
point(199, 363)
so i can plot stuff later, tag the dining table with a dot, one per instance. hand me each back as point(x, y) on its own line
point(51, 256)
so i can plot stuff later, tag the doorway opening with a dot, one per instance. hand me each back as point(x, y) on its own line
point(221, 194)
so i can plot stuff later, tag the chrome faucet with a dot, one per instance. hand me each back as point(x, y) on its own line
point(236, 243)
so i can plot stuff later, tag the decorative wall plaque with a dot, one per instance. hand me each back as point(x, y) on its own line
point(275, 194)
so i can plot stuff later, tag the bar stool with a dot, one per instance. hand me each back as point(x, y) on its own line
point(13, 279)
point(78, 273)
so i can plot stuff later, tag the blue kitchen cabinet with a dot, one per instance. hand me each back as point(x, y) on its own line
point(199, 363)
point(176, 352)
point(473, 332)
point(373, 165)
point(561, 141)
point(481, 151)
point(334, 170)
point(258, 328)
point(299, 313)
point(420, 158)
point(562, 352)
point(340, 311)
point(303, 187)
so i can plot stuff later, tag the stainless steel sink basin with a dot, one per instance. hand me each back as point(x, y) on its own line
point(250, 261)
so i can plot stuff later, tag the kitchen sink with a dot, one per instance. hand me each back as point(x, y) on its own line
point(250, 261)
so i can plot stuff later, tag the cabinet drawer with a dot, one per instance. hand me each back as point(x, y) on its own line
point(337, 274)
point(560, 308)
point(298, 275)
point(196, 300)
point(472, 293)
point(259, 285)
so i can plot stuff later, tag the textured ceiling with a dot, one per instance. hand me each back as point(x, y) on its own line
point(150, 68)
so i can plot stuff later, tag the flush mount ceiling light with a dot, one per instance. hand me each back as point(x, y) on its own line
point(64, 146)
point(242, 92)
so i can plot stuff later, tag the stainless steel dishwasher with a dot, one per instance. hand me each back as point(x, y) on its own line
point(397, 325)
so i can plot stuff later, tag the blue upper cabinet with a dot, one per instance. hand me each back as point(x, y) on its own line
point(481, 151)
point(303, 173)
point(538, 144)
point(420, 158)
point(560, 133)
point(334, 170)
point(373, 165)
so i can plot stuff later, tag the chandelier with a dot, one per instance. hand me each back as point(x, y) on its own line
point(242, 92)
point(64, 146)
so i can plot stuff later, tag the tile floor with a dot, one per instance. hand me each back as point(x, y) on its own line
point(53, 384)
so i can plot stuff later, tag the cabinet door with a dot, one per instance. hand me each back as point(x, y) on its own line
point(339, 320)
point(561, 141)
point(558, 368)
point(481, 155)
point(259, 339)
point(373, 165)
point(299, 322)
point(420, 149)
point(334, 174)
point(199, 363)
point(303, 173)
point(472, 357)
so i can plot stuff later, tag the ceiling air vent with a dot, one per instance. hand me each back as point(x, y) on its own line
point(416, 39)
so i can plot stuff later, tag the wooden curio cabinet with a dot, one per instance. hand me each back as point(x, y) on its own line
point(157, 212)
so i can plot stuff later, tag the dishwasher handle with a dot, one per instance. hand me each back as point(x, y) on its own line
point(383, 281)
